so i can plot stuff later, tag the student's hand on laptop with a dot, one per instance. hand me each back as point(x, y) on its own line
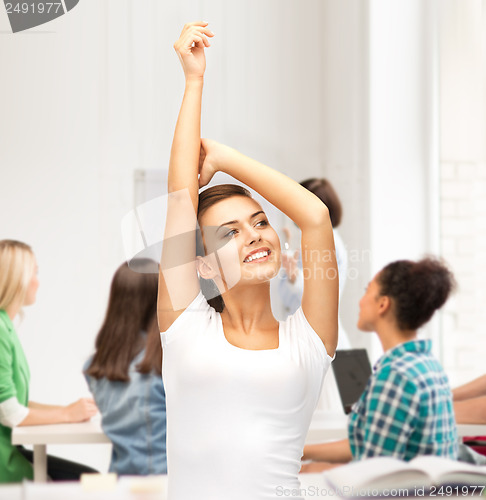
point(81, 410)
point(317, 467)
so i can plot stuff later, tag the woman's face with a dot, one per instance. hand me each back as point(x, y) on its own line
point(369, 307)
point(247, 247)
point(32, 288)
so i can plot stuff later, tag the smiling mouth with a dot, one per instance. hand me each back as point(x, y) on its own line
point(258, 257)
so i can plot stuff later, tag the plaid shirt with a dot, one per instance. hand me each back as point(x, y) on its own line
point(406, 408)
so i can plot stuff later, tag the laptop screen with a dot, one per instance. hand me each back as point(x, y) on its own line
point(352, 370)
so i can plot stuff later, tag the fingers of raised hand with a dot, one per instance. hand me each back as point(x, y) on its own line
point(194, 34)
point(200, 26)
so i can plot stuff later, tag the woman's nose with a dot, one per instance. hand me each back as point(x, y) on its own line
point(253, 236)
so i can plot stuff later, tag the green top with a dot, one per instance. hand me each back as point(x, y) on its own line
point(14, 382)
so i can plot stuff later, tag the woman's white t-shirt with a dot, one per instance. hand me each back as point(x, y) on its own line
point(236, 418)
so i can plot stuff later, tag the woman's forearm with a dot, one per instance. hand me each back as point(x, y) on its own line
point(474, 389)
point(79, 411)
point(471, 411)
point(45, 415)
point(334, 452)
point(184, 156)
point(299, 204)
point(40, 406)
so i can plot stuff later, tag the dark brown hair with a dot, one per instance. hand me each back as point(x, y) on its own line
point(208, 198)
point(417, 289)
point(132, 307)
point(323, 189)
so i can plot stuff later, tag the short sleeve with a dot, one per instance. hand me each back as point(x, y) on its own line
point(7, 387)
point(86, 366)
point(195, 316)
point(11, 411)
point(307, 335)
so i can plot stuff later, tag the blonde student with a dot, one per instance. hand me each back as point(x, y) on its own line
point(240, 385)
point(18, 288)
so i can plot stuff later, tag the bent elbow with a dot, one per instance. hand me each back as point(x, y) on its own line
point(319, 216)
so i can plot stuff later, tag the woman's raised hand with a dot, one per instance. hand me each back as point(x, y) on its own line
point(190, 48)
point(212, 158)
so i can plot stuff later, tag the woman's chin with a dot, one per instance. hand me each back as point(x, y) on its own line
point(259, 273)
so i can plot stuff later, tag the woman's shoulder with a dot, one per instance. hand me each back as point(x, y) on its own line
point(8, 338)
point(296, 329)
point(405, 371)
point(87, 363)
point(6, 325)
point(199, 315)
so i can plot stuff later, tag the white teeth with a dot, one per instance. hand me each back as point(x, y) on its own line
point(258, 255)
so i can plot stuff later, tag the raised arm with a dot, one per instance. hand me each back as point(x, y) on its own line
point(178, 282)
point(321, 283)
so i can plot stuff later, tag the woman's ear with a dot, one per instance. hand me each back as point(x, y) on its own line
point(207, 267)
point(384, 304)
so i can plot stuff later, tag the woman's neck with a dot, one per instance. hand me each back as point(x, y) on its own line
point(12, 310)
point(248, 308)
point(391, 336)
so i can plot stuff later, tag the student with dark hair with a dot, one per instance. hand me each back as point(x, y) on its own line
point(124, 374)
point(241, 386)
point(291, 284)
point(406, 409)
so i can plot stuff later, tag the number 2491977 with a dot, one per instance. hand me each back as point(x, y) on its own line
point(33, 8)
point(461, 491)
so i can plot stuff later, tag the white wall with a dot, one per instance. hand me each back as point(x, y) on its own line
point(463, 182)
point(344, 140)
point(403, 142)
point(51, 190)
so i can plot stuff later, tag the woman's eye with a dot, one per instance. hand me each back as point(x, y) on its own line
point(229, 234)
point(262, 223)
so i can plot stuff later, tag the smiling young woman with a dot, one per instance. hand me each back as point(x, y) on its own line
point(241, 386)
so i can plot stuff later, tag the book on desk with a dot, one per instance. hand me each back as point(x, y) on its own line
point(422, 474)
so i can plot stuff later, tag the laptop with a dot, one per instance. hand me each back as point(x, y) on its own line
point(352, 369)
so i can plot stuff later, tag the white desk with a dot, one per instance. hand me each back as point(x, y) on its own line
point(126, 488)
point(471, 430)
point(327, 426)
point(41, 435)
